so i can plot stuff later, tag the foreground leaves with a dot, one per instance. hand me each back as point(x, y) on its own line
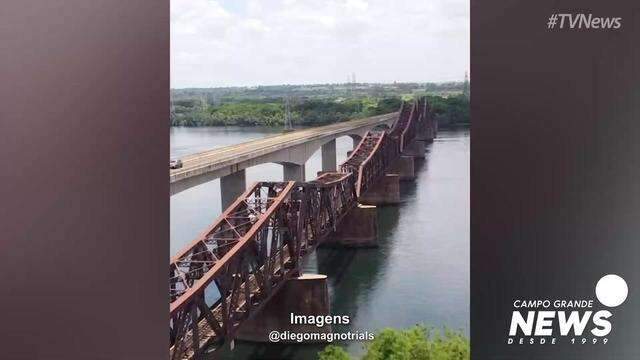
point(415, 343)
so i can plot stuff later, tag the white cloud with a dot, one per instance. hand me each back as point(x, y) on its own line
point(227, 42)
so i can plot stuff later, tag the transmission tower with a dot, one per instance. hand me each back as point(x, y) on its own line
point(465, 86)
point(172, 110)
point(353, 83)
point(288, 123)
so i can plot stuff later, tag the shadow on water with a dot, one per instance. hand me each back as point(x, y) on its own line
point(353, 272)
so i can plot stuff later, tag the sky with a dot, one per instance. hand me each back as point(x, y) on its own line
point(271, 42)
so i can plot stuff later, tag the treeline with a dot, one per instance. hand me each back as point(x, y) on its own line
point(271, 112)
point(343, 90)
point(449, 111)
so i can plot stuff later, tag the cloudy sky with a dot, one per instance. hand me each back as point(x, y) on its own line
point(270, 42)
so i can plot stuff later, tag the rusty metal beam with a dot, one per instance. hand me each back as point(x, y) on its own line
point(259, 241)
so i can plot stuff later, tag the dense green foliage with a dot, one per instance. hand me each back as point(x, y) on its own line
point(333, 352)
point(312, 91)
point(450, 111)
point(311, 104)
point(416, 343)
point(271, 113)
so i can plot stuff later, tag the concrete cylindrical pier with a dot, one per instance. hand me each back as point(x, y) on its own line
point(232, 186)
point(306, 295)
point(292, 172)
point(359, 228)
point(386, 191)
point(404, 166)
point(329, 161)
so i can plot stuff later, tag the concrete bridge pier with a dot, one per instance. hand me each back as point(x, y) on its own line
point(292, 172)
point(359, 229)
point(356, 140)
point(423, 133)
point(404, 167)
point(306, 295)
point(231, 187)
point(429, 134)
point(426, 134)
point(416, 148)
point(385, 191)
point(329, 162)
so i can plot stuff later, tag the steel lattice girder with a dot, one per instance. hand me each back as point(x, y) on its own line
point(260, 240)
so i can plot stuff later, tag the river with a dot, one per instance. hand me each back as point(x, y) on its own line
point(419, 274)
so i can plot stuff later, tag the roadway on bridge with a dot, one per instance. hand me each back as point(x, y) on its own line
point(230, 155)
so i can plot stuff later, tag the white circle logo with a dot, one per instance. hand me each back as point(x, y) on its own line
point(611, 290)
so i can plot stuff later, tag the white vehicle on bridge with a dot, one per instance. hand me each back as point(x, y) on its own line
point(175, 164)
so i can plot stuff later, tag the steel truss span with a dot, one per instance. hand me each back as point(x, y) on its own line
point(232, 270)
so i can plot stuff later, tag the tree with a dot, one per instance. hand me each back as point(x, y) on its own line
point(450, 111)
point(418, 343)
point(415, 343)
point(333, 352)
point(390, 344)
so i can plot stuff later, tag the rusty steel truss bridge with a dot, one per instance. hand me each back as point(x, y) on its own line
point(228, 274)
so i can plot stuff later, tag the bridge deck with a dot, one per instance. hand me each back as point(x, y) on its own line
point(211, 160)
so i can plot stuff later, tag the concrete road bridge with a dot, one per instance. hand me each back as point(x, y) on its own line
point(291, 150)
point(242, 277)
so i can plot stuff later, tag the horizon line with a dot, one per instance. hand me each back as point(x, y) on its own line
point(312, 84)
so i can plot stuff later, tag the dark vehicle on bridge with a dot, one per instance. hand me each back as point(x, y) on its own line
point(175, 164)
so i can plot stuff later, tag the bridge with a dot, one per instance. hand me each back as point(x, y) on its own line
point(291, 150)
point(226, 277)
